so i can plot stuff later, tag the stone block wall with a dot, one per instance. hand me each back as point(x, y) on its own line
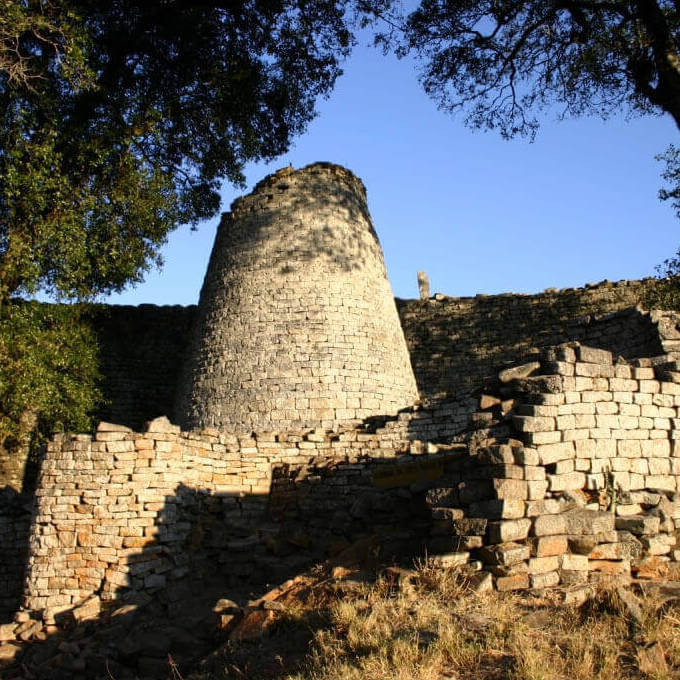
point(575, 474)
point(296, 325)
point(141, 351)
point(139, 512)
point(455, 344)
point(460, 343)
point(15, 520)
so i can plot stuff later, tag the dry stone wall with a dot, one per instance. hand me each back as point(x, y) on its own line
point(572, 473)
point(15, 519)
point(575, 473)
point(460, 343)
point(304, 431)
point(141, 350)
point(456, 344)
point(296, 324)
point(140, 512)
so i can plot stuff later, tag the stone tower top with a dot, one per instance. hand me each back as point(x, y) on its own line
point(297, 324)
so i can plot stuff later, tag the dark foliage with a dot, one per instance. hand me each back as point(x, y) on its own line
point(118, 120)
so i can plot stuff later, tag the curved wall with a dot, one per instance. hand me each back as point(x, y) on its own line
point(296, 325)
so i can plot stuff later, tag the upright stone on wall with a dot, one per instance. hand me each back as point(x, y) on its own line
point(297, 325)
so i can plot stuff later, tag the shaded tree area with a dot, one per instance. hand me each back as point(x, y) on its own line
point(118, 123)
point(503, 61)
point(49, 379)
point(120, 120)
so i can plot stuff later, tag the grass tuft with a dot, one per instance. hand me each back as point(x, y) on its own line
point(429, 624)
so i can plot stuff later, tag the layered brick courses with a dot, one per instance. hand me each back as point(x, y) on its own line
point(127, 511)
point(301, 429)
point(575, 475)
point(458, 343)
point(15, 519)
point(296, 325)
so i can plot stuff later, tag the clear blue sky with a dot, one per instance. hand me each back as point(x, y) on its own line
point(477, 213)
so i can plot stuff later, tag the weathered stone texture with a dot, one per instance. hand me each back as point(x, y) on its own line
point(302, 432)
point(141, 350)
point(458, 343)
point(15, 518)
point(296, 324)
point(141, 512)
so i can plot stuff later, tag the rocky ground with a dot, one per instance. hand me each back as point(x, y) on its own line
point(206, 635)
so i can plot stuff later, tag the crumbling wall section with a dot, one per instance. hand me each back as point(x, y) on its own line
point(574, 473)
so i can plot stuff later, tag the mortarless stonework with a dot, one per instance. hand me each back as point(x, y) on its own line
point(564, 470)
point(296, 325)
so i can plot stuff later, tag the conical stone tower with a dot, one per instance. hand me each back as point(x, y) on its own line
point(296, 325)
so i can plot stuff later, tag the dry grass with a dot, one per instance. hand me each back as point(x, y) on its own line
point(434, 627)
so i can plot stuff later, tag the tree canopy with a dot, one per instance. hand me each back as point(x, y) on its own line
point(503, 60)
point(120, 119)
point(118, 122)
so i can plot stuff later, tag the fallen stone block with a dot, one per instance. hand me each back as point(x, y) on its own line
point(652, 660)
point(522, 371)
point(10, 652)
point(87, 611)
point(7, 631)
point(514, 582)
point(544, 580)
point(253, 625)
point(583, 521)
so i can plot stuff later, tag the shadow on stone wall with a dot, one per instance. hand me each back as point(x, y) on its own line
point(194, 585)
point(461, 343)
point(15, 520)
point(341, 195)
point(141, 350)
